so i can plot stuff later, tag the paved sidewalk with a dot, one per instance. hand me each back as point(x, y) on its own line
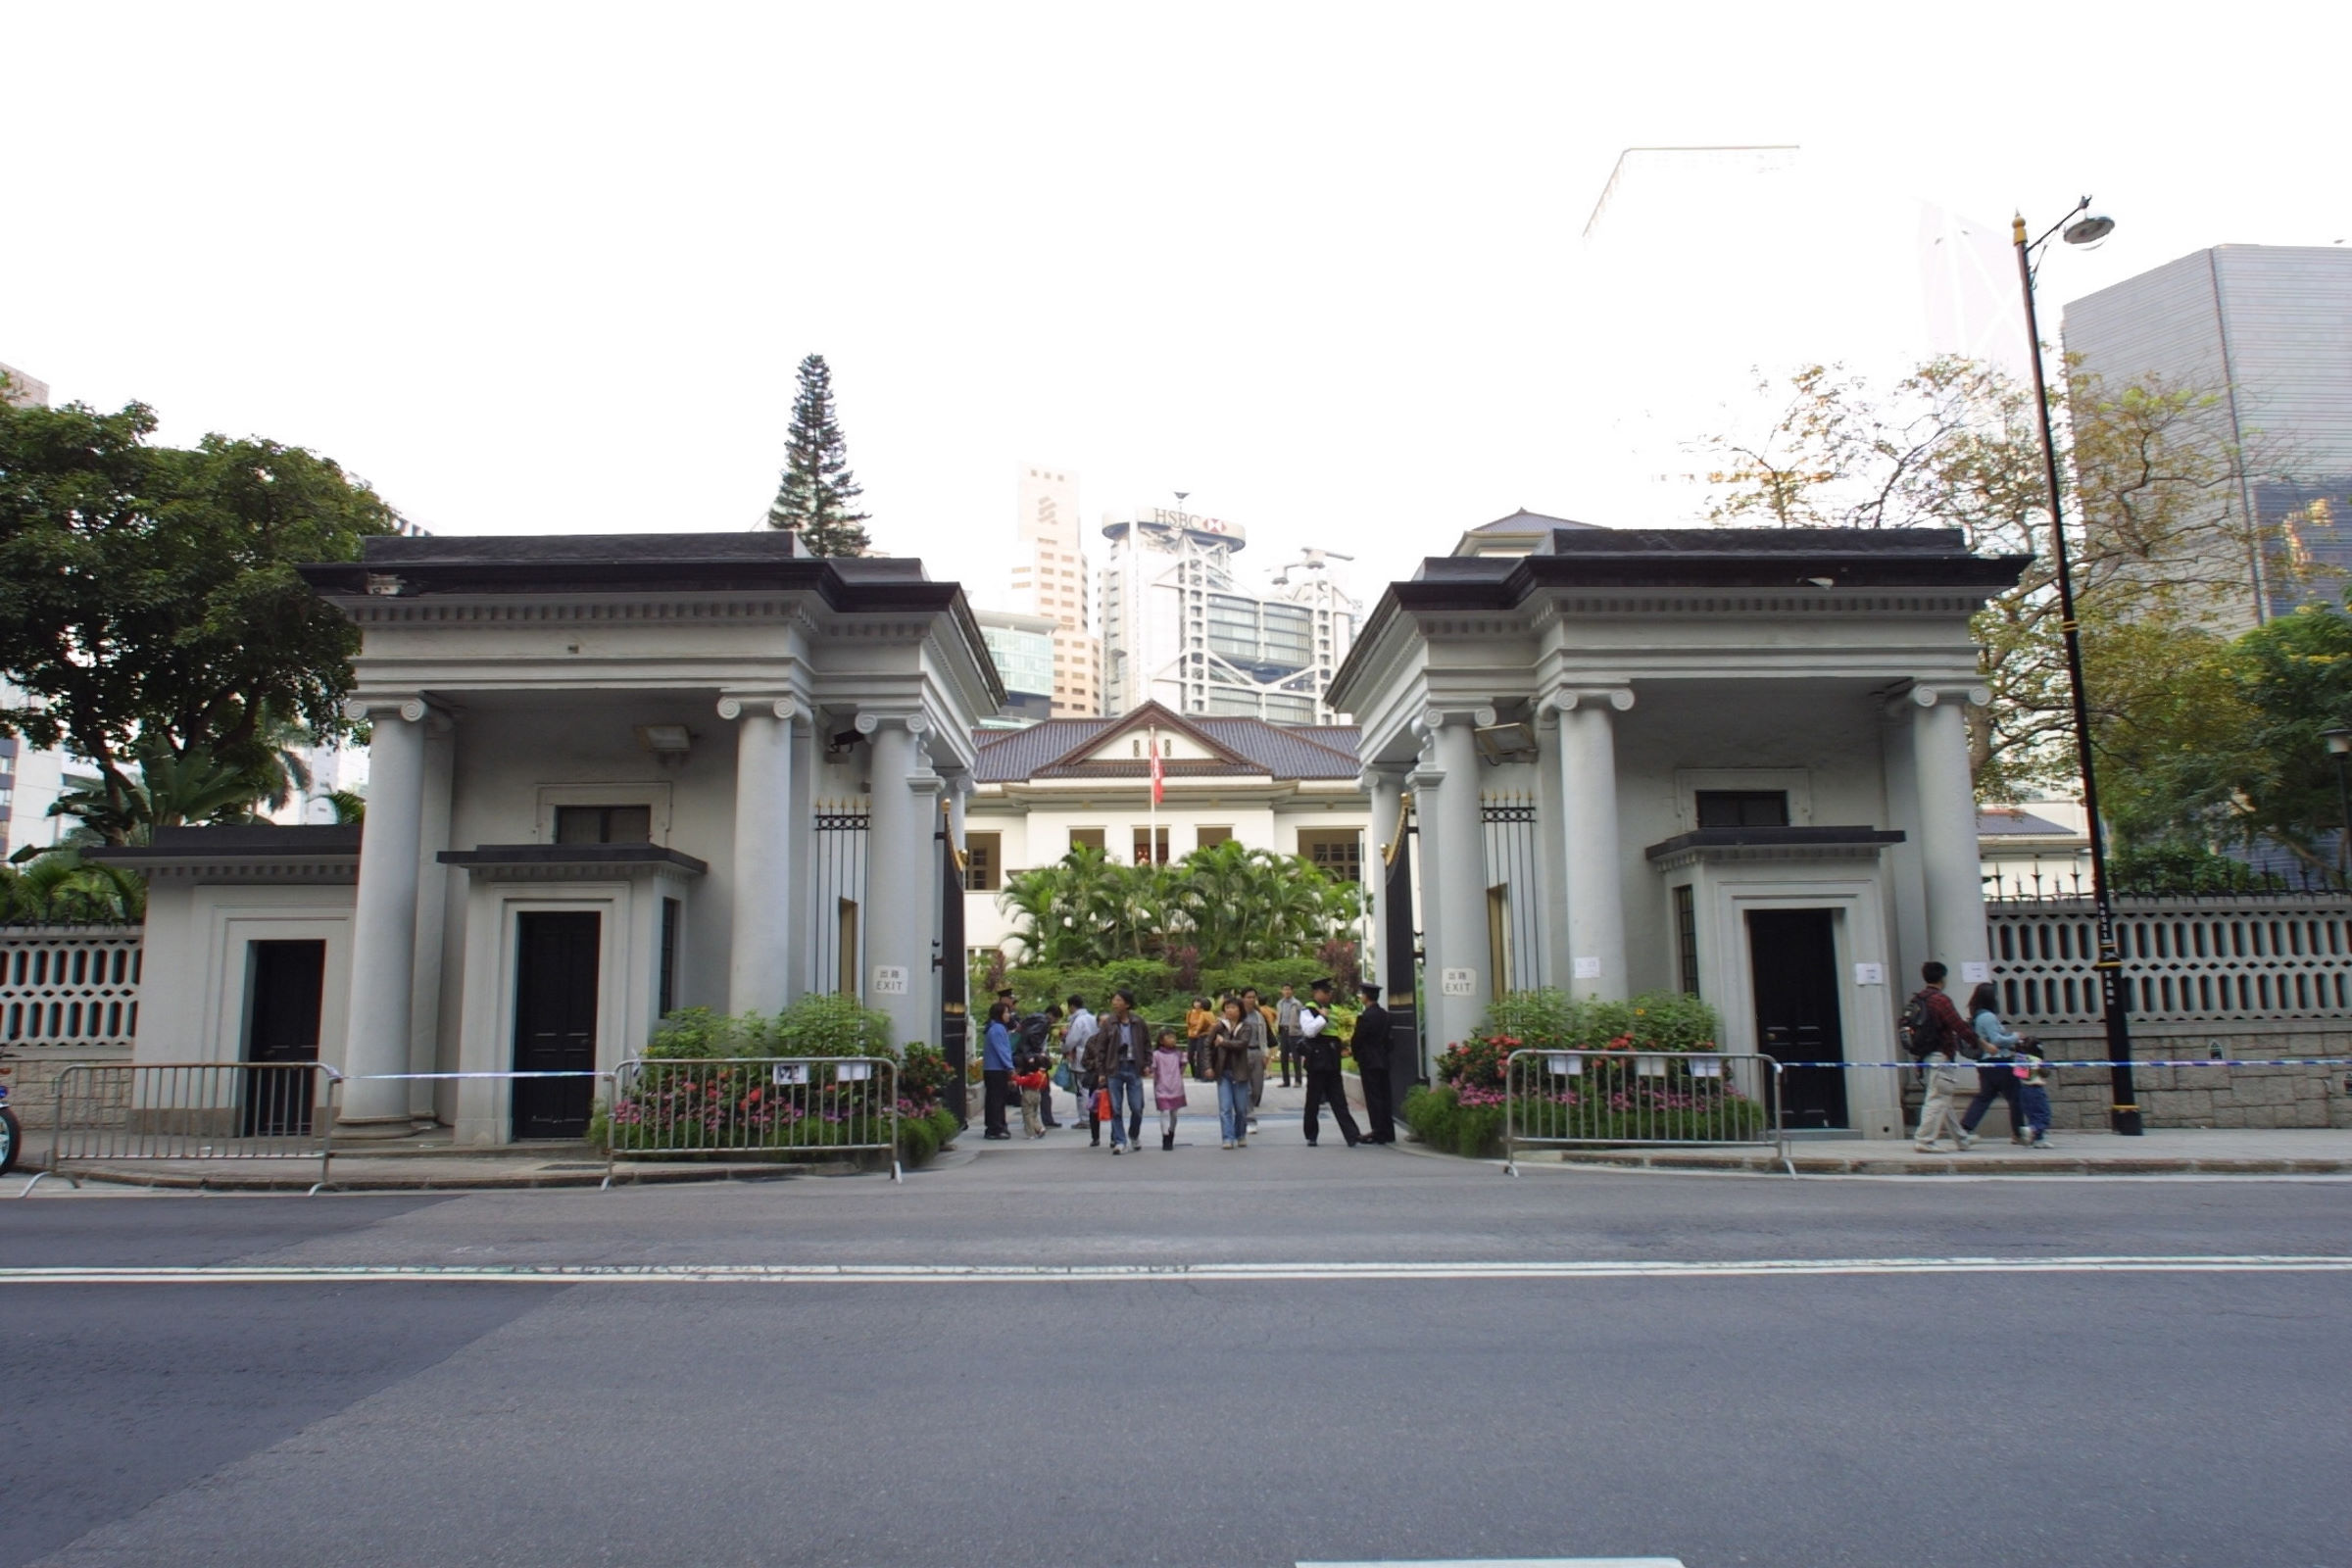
point(2295, 1152)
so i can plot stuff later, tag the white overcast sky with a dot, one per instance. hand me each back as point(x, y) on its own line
point(542, 268)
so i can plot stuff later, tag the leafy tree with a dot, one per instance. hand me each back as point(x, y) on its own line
point(56, 886)
point(818, 487)
point(149, 607)
point(2154, 531)
point(1220, 905)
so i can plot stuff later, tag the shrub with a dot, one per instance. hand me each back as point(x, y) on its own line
point(816, 1025)
point(923, 1135)
point(1439, 1118)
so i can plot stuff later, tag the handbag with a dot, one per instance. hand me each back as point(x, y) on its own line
point(1102, 1104)
point(1063, 1081)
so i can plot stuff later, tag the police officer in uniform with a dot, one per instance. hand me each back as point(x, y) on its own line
point(1319, 1054)
point(1370, 1046)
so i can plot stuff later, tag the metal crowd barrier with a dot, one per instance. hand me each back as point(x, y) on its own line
point(1594, 1099)
point(767, 1105)
point(112, 1112)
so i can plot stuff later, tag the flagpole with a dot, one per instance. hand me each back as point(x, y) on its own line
point(1151, 783)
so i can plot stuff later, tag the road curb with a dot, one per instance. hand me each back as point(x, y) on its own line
point(1952, 1165)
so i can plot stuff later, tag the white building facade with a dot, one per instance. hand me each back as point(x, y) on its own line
point(1735, 762)
point(610, 776)
point(1067, 784)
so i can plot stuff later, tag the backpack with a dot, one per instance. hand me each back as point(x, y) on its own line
point(1033, 1031)
point(1919, 1030)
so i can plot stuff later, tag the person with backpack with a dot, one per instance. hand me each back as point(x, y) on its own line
point(1033, 1037)
point(1319, 1051)
point(1229, 1052)
point(1996, 1072)
point(1288, 1036)
point(1933, 1033)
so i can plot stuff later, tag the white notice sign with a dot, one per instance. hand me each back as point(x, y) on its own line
point(1870, 974)
point(1701, 1067)
point(1458, 982)
point(1588, 968)
point(1975, 973)
point(890, 979)
point(1564, 1065)
point(851, 1072)
point(789, 1072)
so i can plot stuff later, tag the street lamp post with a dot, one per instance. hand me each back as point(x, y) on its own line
point(2081, 229)
point(2339, 747)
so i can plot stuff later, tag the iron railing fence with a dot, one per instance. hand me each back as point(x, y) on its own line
point(115, 1112)
point(1593, 1099)
point(768, 1107)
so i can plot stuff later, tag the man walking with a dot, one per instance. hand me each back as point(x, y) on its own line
point(1123, 1046)
point(1370, 1047)
point(1320, 1066)
point(1077, 1037)
point(1285, 1030)
point(1932, 1032)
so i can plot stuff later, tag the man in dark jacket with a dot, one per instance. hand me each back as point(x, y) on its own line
point(1370, 1047)
point(1319, 1052)
point(1123, 1050)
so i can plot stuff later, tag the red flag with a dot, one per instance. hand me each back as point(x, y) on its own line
point(1159, 792)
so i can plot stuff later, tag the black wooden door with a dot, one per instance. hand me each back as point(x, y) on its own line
point(283, 1000)
point(555, 1021)
point(1793, 954)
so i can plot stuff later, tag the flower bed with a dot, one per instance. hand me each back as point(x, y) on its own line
point(1608, 1102)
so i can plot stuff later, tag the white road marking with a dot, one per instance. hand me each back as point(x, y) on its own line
point(1507, 1562)
point(1146, 1273)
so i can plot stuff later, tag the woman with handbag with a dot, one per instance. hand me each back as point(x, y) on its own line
point(1228, 1053)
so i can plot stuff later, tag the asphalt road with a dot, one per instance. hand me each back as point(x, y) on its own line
point(2037, 1411)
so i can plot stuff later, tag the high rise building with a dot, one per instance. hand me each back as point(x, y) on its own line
point(1022, 647)
point(1050, 580)
point(23, 390)
point(1179, 629)
point(2270, 328)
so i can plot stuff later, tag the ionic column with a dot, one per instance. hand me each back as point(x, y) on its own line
point(1949, 857)
point(1593, 868)
point(1453, 873)
point(1385, 786)
point(383, 925)
point(900, 877)
point(758, 965)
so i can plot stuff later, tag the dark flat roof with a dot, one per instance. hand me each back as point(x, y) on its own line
point(572, 855)
point(243, 842)
point(1747, 838)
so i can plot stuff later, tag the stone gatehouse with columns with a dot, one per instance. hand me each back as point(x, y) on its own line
point(1744, 757)
point(613, 776)
point(610, 775)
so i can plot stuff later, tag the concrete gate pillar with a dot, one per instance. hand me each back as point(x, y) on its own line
point(1592, 870)
point(1947, 828)
point(901, 875)
point(383, 927)
point(759, 964)
point(1457, 979)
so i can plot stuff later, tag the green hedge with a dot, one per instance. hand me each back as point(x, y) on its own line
point(1439, 1118)
point(1158, 996)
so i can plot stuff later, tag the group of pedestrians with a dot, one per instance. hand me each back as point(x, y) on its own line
point(1105, 1060)
point(2010, 1066)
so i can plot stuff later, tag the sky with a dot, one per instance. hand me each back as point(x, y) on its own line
point(535, 269)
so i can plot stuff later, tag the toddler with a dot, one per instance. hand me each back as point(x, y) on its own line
point(1167, 1084)
point(1032, 1085)
point(2033, 1098)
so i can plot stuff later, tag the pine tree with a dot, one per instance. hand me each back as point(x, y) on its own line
point(817, 488)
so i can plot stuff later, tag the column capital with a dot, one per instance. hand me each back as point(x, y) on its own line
point(1957, 693)
point(1568, 698)
point(1373, 775)
point(366, 709)
point(1435, 718)
point(911, 720)
point(758, 706)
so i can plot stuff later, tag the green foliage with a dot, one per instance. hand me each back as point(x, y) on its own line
point(818, 487)
point(150, 610)
point(1220, 906)
point(2158, 546)
point(816, 1025)
point(1553, 1021)
point(58, 886)
point(1439, 1118)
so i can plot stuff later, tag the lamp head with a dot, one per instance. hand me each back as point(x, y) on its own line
point(2339, 741)
point(2089, 230)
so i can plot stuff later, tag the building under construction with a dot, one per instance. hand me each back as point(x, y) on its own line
point(1178, 629)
